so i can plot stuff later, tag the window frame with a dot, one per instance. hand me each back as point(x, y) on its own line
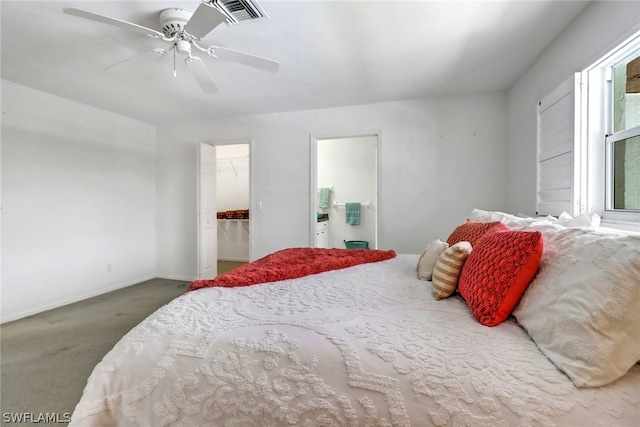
point(610, 140)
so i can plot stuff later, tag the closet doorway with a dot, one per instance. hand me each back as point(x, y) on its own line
point(231, 193)
point(344, 201)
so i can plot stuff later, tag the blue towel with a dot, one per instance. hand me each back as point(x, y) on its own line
point(323, 201)
point(353, 213)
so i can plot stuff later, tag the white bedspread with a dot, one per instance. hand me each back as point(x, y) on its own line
point(363, 346)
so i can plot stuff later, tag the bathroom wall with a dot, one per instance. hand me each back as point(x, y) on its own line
point(349, 165)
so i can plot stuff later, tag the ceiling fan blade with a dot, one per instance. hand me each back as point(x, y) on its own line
point(113, 21)
point(137, 59)
point(203, 20)
point(201, 74)
point(258, 62)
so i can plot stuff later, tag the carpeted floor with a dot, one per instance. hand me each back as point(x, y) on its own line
point(45, 359)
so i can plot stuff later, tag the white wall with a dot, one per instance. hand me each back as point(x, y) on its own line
point(349, 165)
point(232, 177)
point(78, 190)
point(439, 158)
point(599, 28)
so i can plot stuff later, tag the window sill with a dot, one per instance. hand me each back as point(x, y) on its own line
point(627, 221)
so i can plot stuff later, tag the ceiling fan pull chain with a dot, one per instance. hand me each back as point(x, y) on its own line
point(174, 63)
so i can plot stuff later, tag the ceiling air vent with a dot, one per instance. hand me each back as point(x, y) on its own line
point(240, 10)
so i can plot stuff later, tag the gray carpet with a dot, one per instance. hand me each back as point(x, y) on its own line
point(47, 358)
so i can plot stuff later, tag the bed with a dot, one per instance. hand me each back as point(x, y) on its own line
point(365, 345)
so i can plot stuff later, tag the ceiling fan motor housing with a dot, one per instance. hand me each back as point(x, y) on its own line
point(173, 20)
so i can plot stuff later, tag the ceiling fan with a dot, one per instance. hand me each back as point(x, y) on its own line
point(185, 30)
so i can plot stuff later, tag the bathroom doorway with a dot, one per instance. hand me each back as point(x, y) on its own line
point(344, 191)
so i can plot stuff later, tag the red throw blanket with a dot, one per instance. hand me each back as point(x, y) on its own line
point(293, 263)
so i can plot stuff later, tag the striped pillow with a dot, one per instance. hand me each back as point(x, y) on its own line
point(447, 269)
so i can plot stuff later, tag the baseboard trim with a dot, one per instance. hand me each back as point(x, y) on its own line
point(47, 307)
point(234, 259)
point(181, 278)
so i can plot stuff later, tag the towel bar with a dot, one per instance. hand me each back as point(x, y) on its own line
point(363, 204)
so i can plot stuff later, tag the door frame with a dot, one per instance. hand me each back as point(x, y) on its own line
point(313, 179)
point(199, 201)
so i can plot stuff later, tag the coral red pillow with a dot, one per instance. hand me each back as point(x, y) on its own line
point(471, 231)
point(498, 271)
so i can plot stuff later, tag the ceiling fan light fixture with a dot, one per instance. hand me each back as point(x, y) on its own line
point(183, 47)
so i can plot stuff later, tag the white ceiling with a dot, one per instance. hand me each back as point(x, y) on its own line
point(331, 53)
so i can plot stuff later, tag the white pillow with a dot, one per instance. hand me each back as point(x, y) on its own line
point(429, 257)
point(590, 219)
point(485, 216)
point(522, 222)
point(583, 307)
point(516, 223)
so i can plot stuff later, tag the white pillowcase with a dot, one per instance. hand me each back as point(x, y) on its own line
point(583, 307)
point(429, 257)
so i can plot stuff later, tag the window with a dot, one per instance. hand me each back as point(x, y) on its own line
point(589, 141)
point(610, 111)
point(623, 134)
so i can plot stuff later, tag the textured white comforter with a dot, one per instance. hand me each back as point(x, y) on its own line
point(363, 346)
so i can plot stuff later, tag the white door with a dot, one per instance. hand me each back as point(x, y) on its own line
point(207, 222)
